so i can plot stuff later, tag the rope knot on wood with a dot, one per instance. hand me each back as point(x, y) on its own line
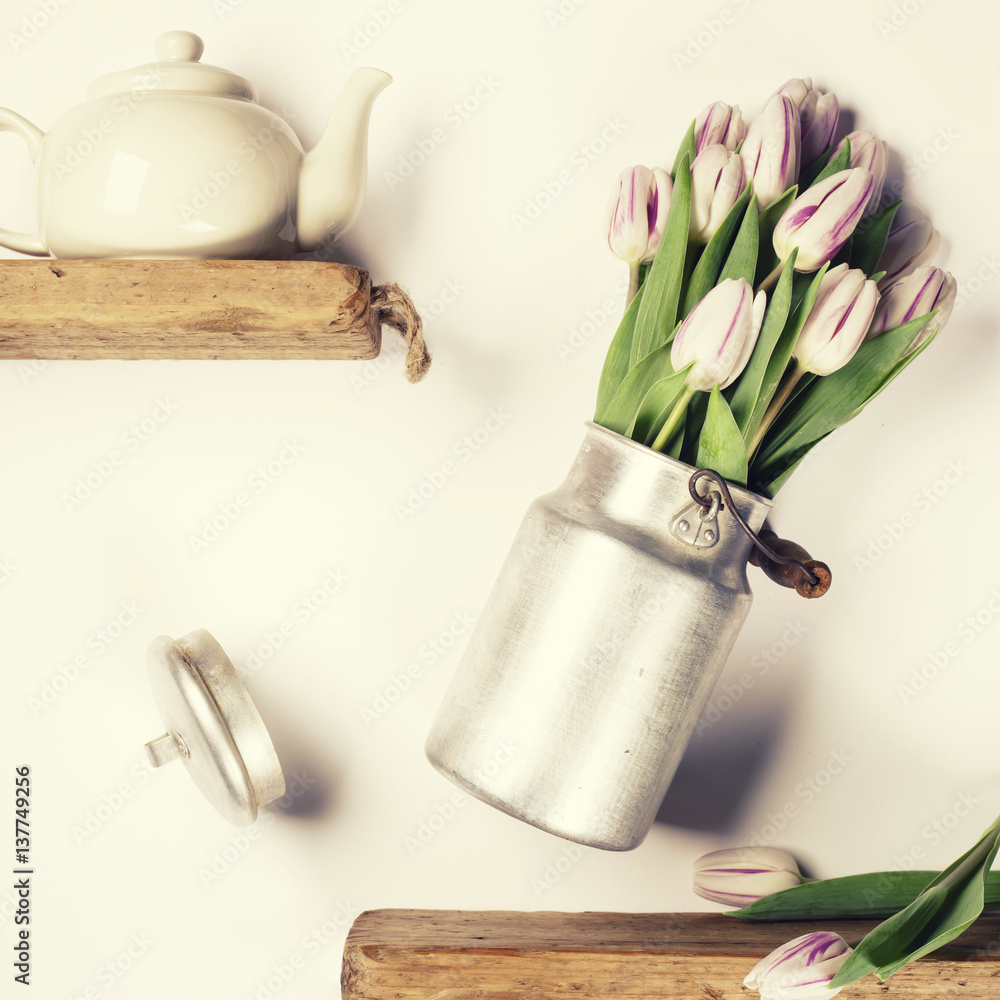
point(395, 309)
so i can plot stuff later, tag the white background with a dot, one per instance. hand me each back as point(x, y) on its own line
point(501, 298)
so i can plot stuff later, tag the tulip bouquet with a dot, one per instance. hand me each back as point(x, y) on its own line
point(770, 298)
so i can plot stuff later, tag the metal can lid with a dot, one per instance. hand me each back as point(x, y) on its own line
point(212, 725)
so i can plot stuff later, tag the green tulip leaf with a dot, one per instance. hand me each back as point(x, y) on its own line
point(686, 148)
point(831, 401)
point(770, 489)
point(869, 238)
point(781, 353)
point(621, 413)
point(840, 162)
point(874, 894)
point(949, 904)
point(695, 420)
point(662, 289)
point(706, 273)
point(743, 400)
point(720, 444)
point(742, 259)
point(810, 172)
point(656, 406)
point(767, 259)
point(617, 361)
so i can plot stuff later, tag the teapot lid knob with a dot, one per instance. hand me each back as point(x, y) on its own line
point(179, 46)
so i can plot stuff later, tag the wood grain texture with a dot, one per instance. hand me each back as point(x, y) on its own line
point(498, 955)
point(186, 309)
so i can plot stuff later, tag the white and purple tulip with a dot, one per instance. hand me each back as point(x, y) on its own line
point(802, 969)
point(719, 123)
point(869, 152)
point(770, 151)
point(818, 116)
point(740, 876)
point(717, 178)
point(637, 213)
point(907, 248)
point(821, 219)
point(719, 335)
point(838, 321)
point(920, 292)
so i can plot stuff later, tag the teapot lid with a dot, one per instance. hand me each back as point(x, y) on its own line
point(178, 71)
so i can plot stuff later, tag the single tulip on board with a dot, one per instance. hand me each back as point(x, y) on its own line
point(802, 969)
point(869, 152)
point(838, 321)
point(770, 151)
point(919, 293)
point(818, 116)
point(717, 179)
point(821, 219)
point(719, 334)
point(907, 248)
point(719, 123)
point(740, 876)
point(635, 217)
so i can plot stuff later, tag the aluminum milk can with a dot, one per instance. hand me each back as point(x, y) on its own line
point(599, 646)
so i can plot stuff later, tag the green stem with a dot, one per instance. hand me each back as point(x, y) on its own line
point(633, 281)
point(667, 431)
point(777, 403)
point(768, 283)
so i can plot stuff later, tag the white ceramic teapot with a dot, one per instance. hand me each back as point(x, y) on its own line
point(176, 159)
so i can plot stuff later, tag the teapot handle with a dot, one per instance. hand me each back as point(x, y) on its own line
point(23, 242)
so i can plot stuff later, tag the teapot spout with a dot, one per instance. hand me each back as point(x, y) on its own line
point(334, 174)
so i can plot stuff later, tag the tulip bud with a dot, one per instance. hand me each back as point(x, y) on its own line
point(921, 292)
point(821, 219)
point(637, 213)
point(906, 249)
point(870, 153)
point(719, 335)
point(838, 321)
point(716, 182)
point(719, 123)
point(770, 151)
point(818, 116)
point(802, 969)
point(742, 875)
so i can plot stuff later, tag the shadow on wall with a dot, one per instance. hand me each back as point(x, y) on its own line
point(728, 758)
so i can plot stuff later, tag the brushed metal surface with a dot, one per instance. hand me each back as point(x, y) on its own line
point(597, 650)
